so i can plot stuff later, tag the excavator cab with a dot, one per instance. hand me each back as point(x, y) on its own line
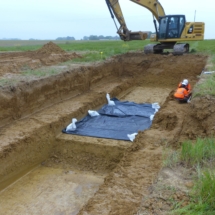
point(171, 26)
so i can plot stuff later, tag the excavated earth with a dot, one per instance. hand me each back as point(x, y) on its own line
point(49, 54)
point(43, 171)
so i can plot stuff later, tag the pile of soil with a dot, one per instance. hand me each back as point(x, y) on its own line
point(49, 54)
point(199, 120)
point(50, 48)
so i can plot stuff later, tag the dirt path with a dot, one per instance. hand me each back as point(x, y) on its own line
point(33, 114)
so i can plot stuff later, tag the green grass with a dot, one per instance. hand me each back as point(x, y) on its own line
point(170, 158)
point(206, 47)
point(203, 196)
point(201, 151)
point(205, 189)
point(7, 81)
point(117, 46)
point(205, 87)
point(23, 45)
point(40, 72)
point(191, 154)
point(108, 48)
point(101, 50)
point(112, 47)
point(194, 209)
point(207, 84)
point(201, 156)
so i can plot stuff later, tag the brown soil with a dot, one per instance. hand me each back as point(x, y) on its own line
point(50, 48)
point(49, 54)
point(33, 113)
point(170, 190)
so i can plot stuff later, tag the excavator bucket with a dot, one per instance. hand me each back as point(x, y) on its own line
point(138, 35)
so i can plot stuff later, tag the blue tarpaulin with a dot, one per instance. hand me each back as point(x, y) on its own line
point(117, 121)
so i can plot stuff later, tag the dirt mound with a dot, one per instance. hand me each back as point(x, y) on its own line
point(200, 118)
point(49, 54)
point(50, 48)
point(166, 120)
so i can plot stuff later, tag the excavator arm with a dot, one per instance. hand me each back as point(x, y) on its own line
point(152, 5)
point(124, 33)
point(114, 7)
point(155, 8)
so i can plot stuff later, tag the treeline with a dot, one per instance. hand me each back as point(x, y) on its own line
point(101, 37)
point(95, 37)
point(66, 38)
point(91, 37)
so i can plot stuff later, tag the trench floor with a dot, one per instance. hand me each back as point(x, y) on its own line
point(47, 190)
point(52, 189)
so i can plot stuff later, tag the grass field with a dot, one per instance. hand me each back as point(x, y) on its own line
point(101, 50)
point(206, 46)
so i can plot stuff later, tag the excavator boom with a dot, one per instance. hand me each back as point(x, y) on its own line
point(124, 33)
point(152, 5)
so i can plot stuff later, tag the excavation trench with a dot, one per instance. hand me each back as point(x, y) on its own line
point(41, 167)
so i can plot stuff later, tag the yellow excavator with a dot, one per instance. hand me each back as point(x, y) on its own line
point(171, 33)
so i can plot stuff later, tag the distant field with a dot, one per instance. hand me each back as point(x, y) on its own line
point(94, 51)
point(206, 46)
point(23, 45)
point(18, 43)
point(100, 50)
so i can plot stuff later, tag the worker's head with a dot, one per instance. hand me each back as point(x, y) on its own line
point(185, 82)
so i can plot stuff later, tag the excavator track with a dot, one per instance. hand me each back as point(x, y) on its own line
point(153, 48)
point(180, 49)
point(149, 49)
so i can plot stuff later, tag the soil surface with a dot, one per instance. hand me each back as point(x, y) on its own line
point(49, 54)
point(36, 111)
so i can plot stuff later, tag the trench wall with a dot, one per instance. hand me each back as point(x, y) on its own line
point(50, 103)
point(88, 153)
point(30, 97)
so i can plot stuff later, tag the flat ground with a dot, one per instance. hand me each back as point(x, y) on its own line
point(120, 177)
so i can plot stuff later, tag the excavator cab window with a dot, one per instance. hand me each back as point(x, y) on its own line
point(181, 24)
point(171, 26)
point(163, 27)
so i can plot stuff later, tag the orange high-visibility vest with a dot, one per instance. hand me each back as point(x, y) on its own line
point(181, 93)
point(188, 87)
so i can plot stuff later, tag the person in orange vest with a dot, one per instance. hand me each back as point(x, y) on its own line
point(183, 93)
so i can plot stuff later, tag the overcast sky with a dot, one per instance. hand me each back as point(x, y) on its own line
point(49, 19)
